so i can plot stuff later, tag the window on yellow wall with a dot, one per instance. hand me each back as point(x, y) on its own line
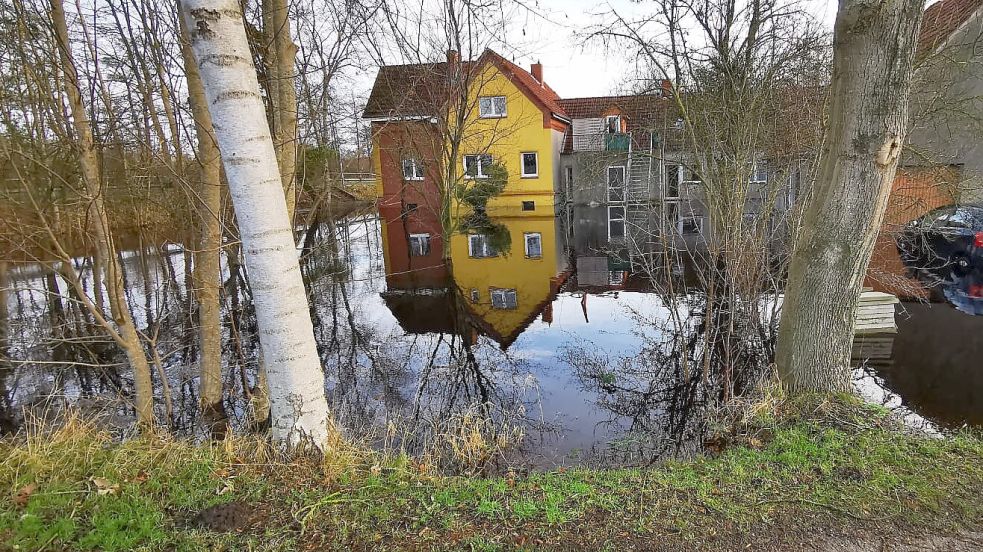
point(534, 245)
point(491, 106)
point(476, 166)
point(530, 164)
point(503, 299)
point(479, 246)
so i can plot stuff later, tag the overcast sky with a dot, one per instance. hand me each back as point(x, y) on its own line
point(574, 71)
point(568, 67)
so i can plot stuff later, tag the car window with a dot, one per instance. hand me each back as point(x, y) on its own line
point(967, 217)
point(937, 218)
point(955, 217)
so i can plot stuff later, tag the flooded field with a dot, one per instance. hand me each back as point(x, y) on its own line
point(554, 353)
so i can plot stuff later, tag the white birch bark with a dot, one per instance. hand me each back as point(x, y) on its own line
point(873, 49)
point(296, 382)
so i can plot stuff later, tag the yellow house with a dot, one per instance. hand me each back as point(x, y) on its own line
point(510, 119)
point(515, 120)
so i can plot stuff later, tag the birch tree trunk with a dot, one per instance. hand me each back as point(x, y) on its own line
point(296, 382)
point(106, 256)
point(873, 48)
point(208, 275)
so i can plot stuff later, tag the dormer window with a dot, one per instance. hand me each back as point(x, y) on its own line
point(612, 123)
point(491, 107)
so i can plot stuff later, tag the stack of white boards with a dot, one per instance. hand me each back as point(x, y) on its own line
point(875, 313)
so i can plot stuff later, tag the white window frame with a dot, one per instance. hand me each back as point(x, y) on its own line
point(419, 236)
point(522, 164)
point(623, 220)
point(616, 277)
point(486, 252)
point(753, 179)
point(607, 124)
point(475, 295)
point(624, 182)
point(416, 169)
point(525, 239)
point(504, 293)
point(493, 113)
point(479, 164)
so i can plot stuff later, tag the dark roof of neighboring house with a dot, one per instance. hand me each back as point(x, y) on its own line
point(941, 20)
point(407, 90)
point(419, 89)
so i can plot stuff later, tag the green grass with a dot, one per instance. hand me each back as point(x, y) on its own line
point(845, 466)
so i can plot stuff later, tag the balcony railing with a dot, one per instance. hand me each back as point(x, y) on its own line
point(617, 141)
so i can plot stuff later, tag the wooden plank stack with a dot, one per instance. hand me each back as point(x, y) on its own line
point(875, 313)
point(873, 350)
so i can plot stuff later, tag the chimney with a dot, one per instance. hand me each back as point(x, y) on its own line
point(453, 57)
point(537, 72)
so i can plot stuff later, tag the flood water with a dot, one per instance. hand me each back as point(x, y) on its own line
point(549, 352)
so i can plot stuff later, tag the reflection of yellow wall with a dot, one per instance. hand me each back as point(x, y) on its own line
point(529, 277)
point(506, 138)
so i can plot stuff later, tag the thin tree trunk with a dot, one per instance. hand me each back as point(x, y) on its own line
point(296, 381)
point(276, 19)
point(208, 274)
point(873, 49)
point(99, 219)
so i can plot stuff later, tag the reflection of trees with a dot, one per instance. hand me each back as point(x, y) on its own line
point(659, 399)
point(410, 391)
point(468, 389)
point(55, 354)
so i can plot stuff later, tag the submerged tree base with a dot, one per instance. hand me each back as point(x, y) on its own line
point(826, 474)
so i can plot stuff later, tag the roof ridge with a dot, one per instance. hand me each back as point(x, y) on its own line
point(659, 96)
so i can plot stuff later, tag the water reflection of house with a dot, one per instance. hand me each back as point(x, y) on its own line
point(506, 292)
point(488, 292)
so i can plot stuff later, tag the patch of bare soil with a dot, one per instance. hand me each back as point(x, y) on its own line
point(232, 516)
point(970, 541)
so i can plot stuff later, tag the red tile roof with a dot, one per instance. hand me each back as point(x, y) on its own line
point(419, 89)
point(642, 112)
point(639, 109)
point(542, 91)
point(941, 20)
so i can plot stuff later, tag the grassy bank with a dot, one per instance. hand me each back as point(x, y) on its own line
point(840, 466)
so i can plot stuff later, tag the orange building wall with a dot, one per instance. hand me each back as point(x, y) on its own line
point(915, 192)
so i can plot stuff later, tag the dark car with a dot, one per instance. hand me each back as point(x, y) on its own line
point(944, 244)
